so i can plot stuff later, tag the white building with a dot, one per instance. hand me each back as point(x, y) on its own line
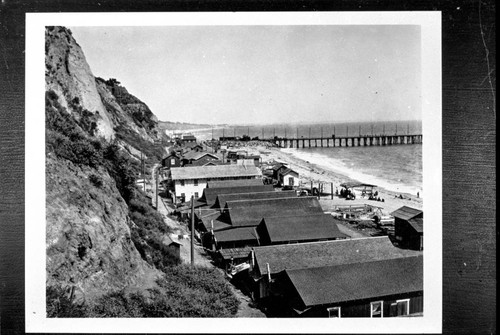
point(191, 180)
point(288, 177)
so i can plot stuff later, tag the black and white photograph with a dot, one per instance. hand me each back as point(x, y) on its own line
point(240, 167)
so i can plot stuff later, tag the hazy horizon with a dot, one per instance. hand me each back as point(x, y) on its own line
point(263, 74)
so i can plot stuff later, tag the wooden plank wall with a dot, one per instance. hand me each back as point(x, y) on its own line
point(469, 138)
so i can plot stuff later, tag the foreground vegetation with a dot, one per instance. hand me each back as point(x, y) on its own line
point(183, 291)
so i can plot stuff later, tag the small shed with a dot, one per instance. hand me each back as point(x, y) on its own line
point(173, 245)
point(354, 189)
point(409, 227)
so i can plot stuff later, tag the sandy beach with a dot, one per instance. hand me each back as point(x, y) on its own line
point(311, 172)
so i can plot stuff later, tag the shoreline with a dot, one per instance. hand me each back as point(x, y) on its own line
point(312, 172)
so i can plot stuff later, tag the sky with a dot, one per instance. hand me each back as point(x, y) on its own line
point(263, 74)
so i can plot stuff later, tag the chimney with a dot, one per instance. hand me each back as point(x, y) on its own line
point(212, 225)
point(252, 258)
point(268, 272)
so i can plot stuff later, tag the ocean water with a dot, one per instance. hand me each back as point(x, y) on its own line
point(396, 168)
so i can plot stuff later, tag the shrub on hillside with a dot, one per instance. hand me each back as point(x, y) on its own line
point(59, 305)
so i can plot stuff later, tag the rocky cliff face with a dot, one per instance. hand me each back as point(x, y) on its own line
point(88, 240)
point(88, 228)
point(113, 107)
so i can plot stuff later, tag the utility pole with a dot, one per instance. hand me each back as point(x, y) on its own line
point(360, 130)
point(347, 131)
point(157, 177)
point(396, 128)
point(192, 230)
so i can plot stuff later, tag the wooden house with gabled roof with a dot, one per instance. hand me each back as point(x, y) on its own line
point(409, 227)
point(251, 212)
point(269, 262)
point(210, 194)
point(222, 199)
point(377, 289)
point(298, 229)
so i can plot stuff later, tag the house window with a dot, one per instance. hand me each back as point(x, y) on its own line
point(196, 195)
point(196, 182)
point(402, 307)
point(333, 312)
point(182, 182)
point(290, 181)
point(183, 196)
point(172, 161)
point(376, 309)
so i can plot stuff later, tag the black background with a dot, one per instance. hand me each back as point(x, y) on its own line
point(469, 141)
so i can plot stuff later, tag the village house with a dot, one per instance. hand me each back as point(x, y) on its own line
point(375, 289)
point(198, 158)
point(239, 219)
point(243, 157)
point(298, 229)
point(172, 160)
point(409, 227)
point(192, 180)
point(210, 194)
point(288, 178)
point(192, 146)
point(188, 138)
point(270, 262)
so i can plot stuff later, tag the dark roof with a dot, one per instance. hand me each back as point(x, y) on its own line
point(251, 212)
point(406, 213)
point(356, 184)
point(301, 228)
point(278, 166)
point(195, 155)
point(317, 254)
point(236, 234)
point(369, 280)
point(206, 162)
point(227, 254)
point(288, 171)
point(417, 224)
point(221, 200)
point(210, 194)
point(216, 218)
point(234, 183)
point(188, 137)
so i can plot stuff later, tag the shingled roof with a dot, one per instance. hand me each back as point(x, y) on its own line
point(406, 213)
point(234, 183)
point(368, 280)
point(218, 171)
point(194, 155)
point(236, 234)
point(222, 199)
point(299, 228)
point(317, 254)
point(210, 194)
point(251, 212)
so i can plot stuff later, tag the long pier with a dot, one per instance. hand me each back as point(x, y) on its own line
point(343, 141)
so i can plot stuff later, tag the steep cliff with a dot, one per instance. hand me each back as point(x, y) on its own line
point(91, 240)
point(88, 239)
point(115, 112)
